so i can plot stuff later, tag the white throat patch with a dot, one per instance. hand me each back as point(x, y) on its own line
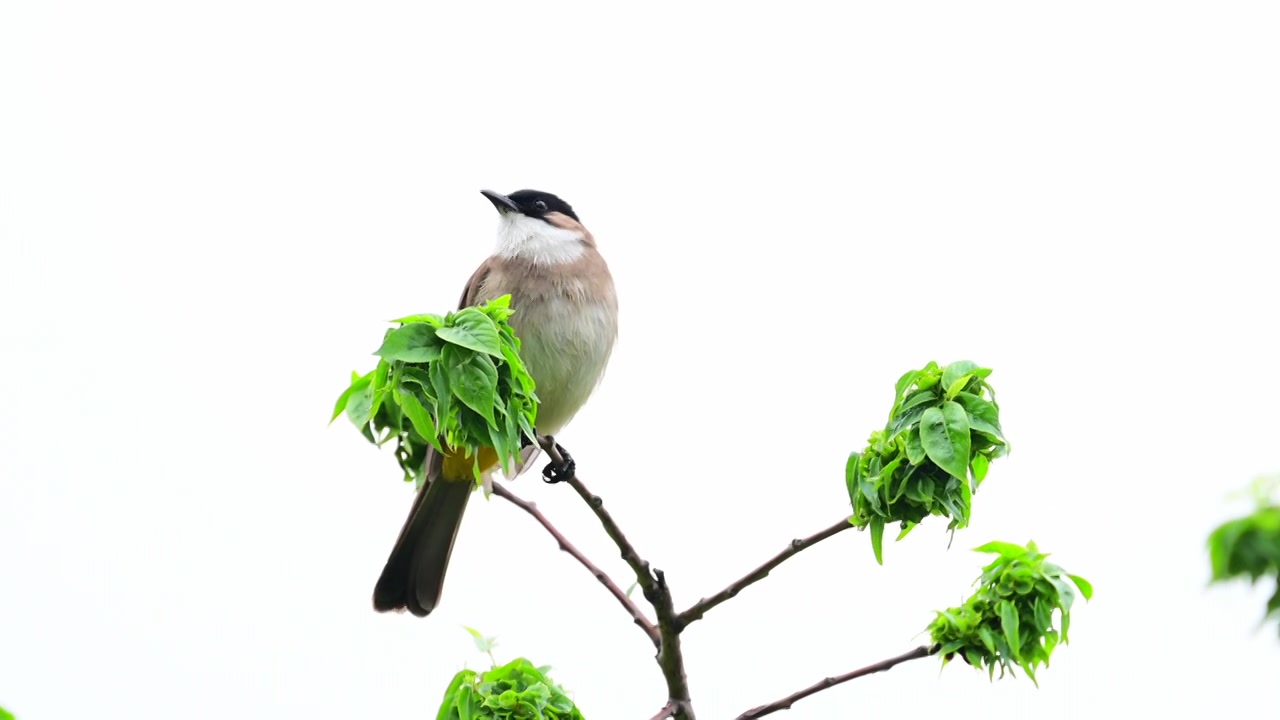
point(520, 236)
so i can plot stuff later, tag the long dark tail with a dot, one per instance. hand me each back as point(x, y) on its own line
point(413, 577)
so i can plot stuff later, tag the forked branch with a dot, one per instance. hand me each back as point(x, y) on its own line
point(654, 584)
point(665, 633)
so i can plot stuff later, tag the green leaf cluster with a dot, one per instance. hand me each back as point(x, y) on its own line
point(457, 378)
point(515, 690)
point(5, 714)
point(933, 453)
point(1008, 621)
point(1249, 547)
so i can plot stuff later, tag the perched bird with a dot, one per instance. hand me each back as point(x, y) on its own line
point(566, 316)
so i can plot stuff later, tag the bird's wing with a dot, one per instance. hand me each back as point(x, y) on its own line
point(471, 293)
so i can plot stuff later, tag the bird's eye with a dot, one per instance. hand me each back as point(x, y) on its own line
point(540, 206)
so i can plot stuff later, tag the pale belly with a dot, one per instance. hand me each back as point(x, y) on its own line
point(566, 347)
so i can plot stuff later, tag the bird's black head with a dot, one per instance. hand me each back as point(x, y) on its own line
point(533, 203)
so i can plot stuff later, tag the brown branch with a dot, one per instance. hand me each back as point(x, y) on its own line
point(830, 682)
point(654, 584)
point(641, 568)
point(667, 711)
point(565, 545)
point(670, 657)
point(700, 608)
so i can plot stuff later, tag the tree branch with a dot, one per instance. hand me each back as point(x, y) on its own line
point(700, 608)
point(670, 657)
point(667, 711)
point(654, 584)
point(830, 682)
point(565, 545)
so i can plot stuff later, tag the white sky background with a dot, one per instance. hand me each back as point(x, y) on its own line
point(208, 212)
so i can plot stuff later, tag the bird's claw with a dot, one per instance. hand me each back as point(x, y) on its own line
point(563, 471)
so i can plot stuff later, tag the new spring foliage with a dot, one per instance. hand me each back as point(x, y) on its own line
point(1009, 620)
point(1249, 547)
point(933, 453)
point(511, 691)
point(455, 380)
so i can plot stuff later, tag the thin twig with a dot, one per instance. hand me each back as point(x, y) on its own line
point(702, 606)
point(565, 545)
point(647, 581)
point(830, 682)
point(641, 568)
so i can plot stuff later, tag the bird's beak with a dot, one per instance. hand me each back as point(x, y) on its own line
point(500, 201)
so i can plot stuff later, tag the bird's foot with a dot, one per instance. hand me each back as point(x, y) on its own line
point(562, 467)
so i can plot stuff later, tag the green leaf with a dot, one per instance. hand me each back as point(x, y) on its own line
point(1050, 642)
point(925, 487)
point(877, 538)
point(984, 416)
point(1009, 624)
point(948, 502)
point(428, 318)
point(1031, 672)
point(518, 371)
point(958, 385)
point(417, 413)
point(980, 465)
point(419, 376)
point(1006, 549)
point(910, 419)
point(379, 386)
point(511, 435)
point(955, 371)
point(483, 644)
point(358, 384)
point(360, 405)
point(451, 694)
point(474, 330)
point(851, 475)
point(903, 383)
point(5, 714)
point(1086, 588)
point(414, 343)
point(468, 705)
point(868, 491)
point(918, 398)
point(1066, 596)
point(475, 383)
point(928, 377)
point(444, 393)
point(944, 432)
point(988, 640)
point(915, 447)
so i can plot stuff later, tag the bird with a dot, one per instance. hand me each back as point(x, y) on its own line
point(566, 316)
